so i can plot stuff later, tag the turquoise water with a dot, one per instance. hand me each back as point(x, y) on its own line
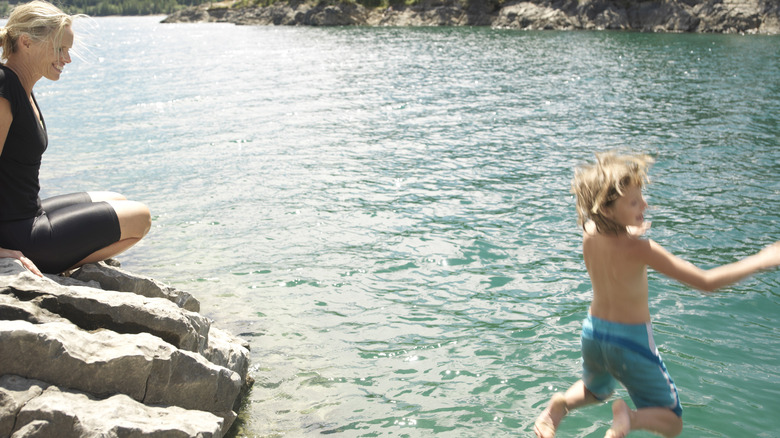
point(384, 213)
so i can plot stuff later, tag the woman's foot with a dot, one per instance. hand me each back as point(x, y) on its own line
point(548, 421)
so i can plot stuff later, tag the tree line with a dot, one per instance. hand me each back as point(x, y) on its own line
point(97, 8)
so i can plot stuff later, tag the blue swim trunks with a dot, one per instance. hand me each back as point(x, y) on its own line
point(626, 353)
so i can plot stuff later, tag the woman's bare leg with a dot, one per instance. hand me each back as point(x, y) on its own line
point(106, 196)
point(135, 220)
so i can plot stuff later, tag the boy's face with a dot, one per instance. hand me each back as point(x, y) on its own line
point(629, 209)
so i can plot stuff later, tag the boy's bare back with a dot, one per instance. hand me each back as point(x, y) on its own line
point(618, 277)
point(610, 209)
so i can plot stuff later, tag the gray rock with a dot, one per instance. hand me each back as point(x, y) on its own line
point(47, 411)
point(727, 16)
point(10, 267)
point(116, 279)
point(164, 363)
point(103, 362)
point(530, 16)
point(91, 308)
point(665, 17)
point(228, 351)
point(15, 392)
point(13, 309)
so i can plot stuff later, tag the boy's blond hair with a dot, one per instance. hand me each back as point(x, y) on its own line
point(596, 186)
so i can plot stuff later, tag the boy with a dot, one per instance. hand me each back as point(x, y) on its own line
point(617, 337)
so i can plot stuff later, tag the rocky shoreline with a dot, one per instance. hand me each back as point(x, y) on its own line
point(108, 353)
point(716, 16)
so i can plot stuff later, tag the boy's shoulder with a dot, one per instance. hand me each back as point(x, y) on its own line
point(628, 242)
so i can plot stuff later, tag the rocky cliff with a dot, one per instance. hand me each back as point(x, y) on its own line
point(722, 16)
point(108, 353)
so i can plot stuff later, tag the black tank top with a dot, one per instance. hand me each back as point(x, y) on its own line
point(20, 160)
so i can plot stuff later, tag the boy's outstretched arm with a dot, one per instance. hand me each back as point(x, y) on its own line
point(709, 280)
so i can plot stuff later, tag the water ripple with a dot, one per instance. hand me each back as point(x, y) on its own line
point(385, 213)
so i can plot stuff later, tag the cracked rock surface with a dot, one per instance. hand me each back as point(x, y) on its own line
point(109, 353)
point(703, 16)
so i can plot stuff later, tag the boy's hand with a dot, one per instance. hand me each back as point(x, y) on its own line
point(771, 254)
point(638, 231)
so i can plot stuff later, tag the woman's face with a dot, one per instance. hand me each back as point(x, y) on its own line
point(53, 59)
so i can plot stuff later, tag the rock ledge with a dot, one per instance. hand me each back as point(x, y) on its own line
point(716, 16)
point(108, 353)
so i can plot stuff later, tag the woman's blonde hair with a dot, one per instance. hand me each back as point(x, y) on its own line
point(38, 19)
point(596, 186)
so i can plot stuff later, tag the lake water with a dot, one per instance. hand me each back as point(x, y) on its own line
point(385, 213)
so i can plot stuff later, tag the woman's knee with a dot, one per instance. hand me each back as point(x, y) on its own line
point(106, 196)
point(135, 219)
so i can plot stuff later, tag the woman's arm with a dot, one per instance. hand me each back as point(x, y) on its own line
point(6, 117)
point(674, 267)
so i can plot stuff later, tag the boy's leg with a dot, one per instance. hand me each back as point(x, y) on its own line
point(560, 404)
point(658, 420)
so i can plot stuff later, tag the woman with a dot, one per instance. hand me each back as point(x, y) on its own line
point(66, 231)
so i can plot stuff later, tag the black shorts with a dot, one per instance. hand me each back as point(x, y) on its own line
point(70, 228)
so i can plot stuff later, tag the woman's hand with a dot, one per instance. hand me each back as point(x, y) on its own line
point(27, 263)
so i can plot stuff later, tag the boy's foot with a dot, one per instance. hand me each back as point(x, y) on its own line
point(551, 417)
point(621, 421)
